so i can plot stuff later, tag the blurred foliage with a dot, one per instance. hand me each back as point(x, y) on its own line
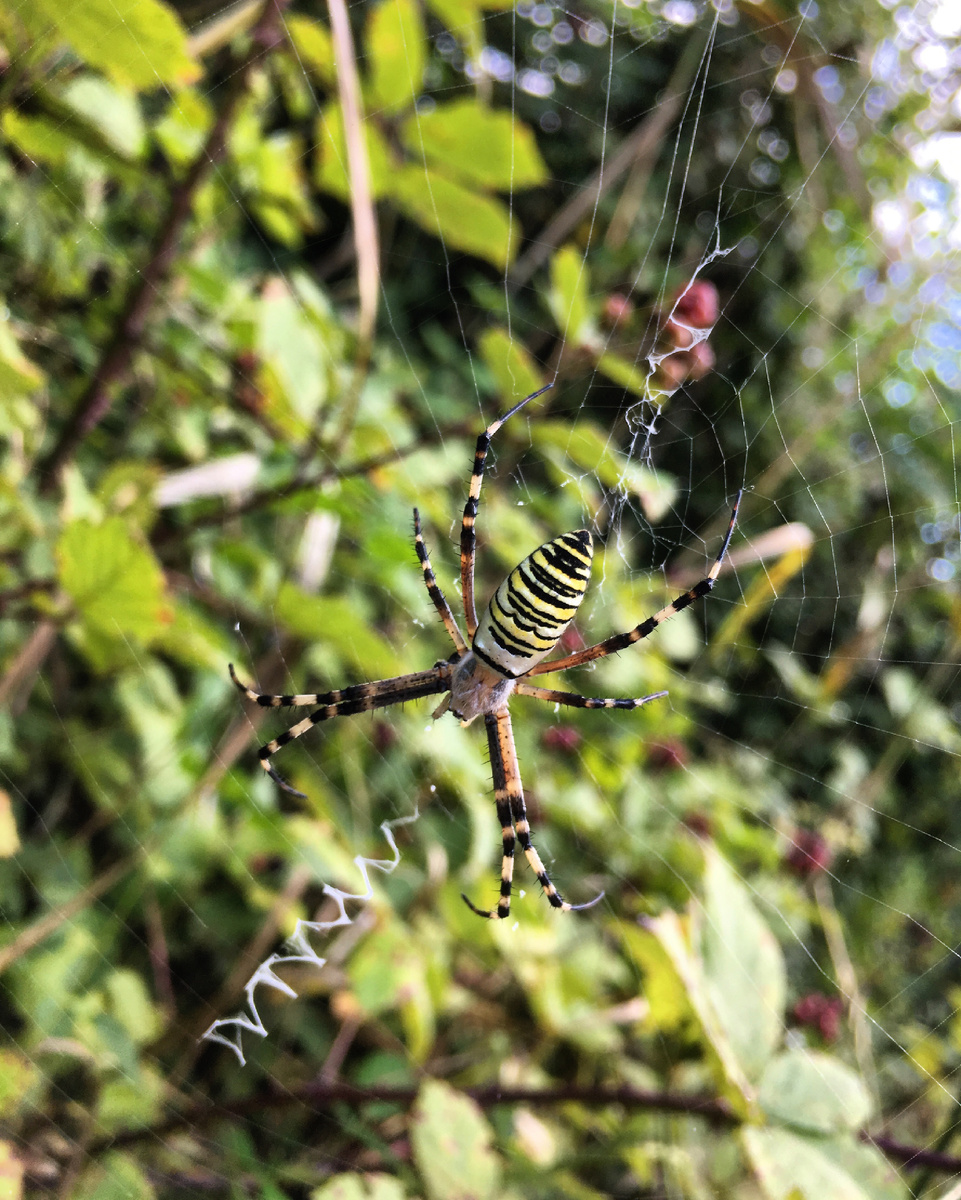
point(777, 842)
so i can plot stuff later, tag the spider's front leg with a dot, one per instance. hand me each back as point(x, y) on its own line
point(358, 698)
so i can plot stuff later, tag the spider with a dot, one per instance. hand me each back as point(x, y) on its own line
point(523, 622)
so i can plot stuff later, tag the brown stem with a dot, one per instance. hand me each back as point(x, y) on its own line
point(326, 1094)
point(97, 396)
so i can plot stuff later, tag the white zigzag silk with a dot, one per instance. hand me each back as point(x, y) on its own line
point(300, 949)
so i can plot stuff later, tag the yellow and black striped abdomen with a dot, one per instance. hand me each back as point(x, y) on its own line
point(535, 604)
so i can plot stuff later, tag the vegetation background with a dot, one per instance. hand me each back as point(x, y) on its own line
point(265, 273)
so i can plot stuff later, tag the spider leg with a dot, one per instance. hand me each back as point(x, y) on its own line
point(438, 598)
point(507, 862)
point(622, 640)
point(265, 700)
point(574, 700)
point(359, 697)
point(508, 788)
point(468, 538)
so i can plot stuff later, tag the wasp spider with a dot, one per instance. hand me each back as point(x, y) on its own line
point(523, 622)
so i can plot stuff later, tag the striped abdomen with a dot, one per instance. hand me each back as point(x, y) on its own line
point(535, 604)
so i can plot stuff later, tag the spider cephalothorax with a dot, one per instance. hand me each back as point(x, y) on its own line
point(520, 627)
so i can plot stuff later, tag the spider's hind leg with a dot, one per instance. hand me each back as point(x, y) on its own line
point(512, 811)
point(521, 824)
point(503, 908)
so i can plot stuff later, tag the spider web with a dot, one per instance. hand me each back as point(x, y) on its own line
point(811, 720)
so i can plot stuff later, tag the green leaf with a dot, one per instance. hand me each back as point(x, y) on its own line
point(743, 967)
point(130, 1103)
point(113, 113)
point(289, 343)
point(11, 1172)
point(116, 1176)
point(589, 448)
point(114, 581)
point(567, 298)
point(138, 43)
point(388, 972)
point(464, 19)
point(458, 216)
point(315, 50)
point(629, 375)
point(668, 1001)
point(476, 145)
point(335, 620)
point(192, 638)
point(675, 936)
point(515, 372)
point(271, 172)
point(396, 50)
point(331, 172)
point(813, 1092)
point(17, 1076)
point(360, 1187)
point(38, 139)
point(184, 127)
point(451, 1142)
point(788, 1165)
point(18, 375)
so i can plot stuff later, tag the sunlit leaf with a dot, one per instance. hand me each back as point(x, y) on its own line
point(360, 1187)
point(332, 173)
point(11, 1172)
point(630, 375)
point(290, 344)
point(336, 620)
point(476, 145)
point(138, 43)
point(114, 581)
point(18, 375)
point(312, 41)
point(37, 138)
point(788, 1165)
point(743, 967)
point(515, 372)
point(112, 112)
point(451, 1141)
point(114, 1176)
point(589, 448)
point(183, 129)
point(568, 296)
point(464, 19)
point(463, 219)
point(17, 1076)
point(396, 54)
point(813, 1092)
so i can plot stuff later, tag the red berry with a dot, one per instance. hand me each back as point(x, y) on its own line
point(700, 824)
point(809, 854)
point(564, 738)
point(700, 360)
point(618, 309)
point(820, 1012)
point(667, 755)
point(697, 304)
point(571, 640)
